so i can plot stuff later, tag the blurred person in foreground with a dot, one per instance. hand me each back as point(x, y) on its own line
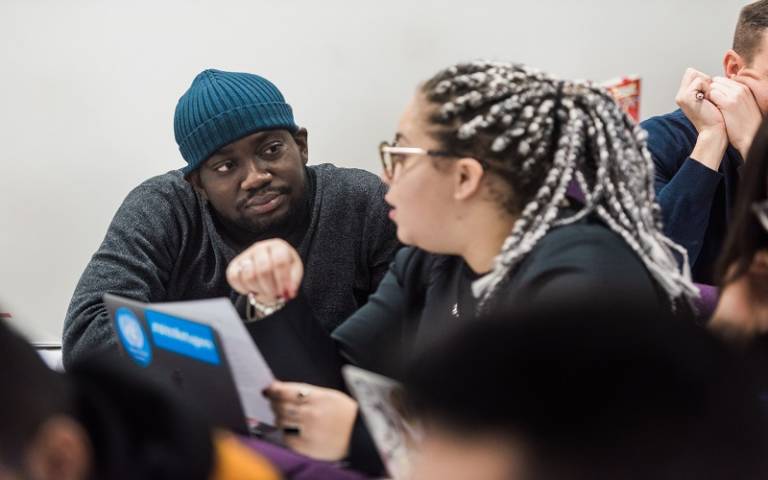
point(576, 391)
point(743, 270)
point(94, 422)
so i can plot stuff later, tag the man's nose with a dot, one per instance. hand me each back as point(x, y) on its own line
point(255, 176)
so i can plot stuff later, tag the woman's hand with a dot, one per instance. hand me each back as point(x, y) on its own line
point(743, 307)
point(318, 421)
point(271, 270)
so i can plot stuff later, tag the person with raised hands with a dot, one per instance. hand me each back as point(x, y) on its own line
point(699, 149)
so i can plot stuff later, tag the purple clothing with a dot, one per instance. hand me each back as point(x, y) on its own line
point(707, 303)
point(295, 466)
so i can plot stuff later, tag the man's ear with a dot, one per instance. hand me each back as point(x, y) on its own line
point(61, 450)
point(468, 174)
point(194, 179)
point(300, 137)
point(733, 63)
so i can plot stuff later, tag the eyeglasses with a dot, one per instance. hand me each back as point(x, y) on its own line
point(761, 210)
point(392, 156)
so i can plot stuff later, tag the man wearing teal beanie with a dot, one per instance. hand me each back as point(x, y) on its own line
point(244, 153)
point(246, 180)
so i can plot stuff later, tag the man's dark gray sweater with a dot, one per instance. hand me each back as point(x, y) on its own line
point(163, 245)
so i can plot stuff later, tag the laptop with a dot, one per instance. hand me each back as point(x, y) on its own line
point(186, 355)
point(203, 350)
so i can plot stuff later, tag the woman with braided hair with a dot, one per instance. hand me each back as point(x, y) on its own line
point(510, 187)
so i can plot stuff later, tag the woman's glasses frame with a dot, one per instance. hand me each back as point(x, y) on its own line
point(393, 155)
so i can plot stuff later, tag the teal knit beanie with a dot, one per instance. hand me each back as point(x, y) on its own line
point(222, 107)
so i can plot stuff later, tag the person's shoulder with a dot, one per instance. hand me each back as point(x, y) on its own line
point(348, 180)
point(674, 119)
point(170, 186)
point(580, 256)
point(587, 258)
point(669, 127)
point(171, 182)
point(582, 243)
point(671, 138)
point(161, 197)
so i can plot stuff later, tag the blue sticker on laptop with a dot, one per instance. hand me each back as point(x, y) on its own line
point(132, 336)
point(181, 336)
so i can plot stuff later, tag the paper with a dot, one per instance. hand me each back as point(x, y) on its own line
point(393, 436)
point(249, 369)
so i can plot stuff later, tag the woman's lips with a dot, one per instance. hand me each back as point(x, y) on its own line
point(392, 214)
point(264, 203)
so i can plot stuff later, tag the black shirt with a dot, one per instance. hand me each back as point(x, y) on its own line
point(424, 296)
point(419, 298)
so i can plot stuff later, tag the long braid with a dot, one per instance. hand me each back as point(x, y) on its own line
point(544, 134)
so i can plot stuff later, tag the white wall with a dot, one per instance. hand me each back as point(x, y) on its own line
point(88, 89)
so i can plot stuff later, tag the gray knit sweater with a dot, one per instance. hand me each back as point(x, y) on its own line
point(163, 245)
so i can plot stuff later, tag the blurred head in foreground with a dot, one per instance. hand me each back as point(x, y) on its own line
point(575, 391)
point(99, 422)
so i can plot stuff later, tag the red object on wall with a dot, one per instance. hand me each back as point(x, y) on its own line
point(626, 92)
point(5, 315)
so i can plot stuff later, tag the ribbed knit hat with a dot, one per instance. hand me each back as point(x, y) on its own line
point(222, 107)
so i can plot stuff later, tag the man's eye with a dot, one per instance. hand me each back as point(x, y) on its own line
point(273, 149)
point(225, 167)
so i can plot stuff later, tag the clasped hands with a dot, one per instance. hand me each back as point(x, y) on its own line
point(723, 110)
